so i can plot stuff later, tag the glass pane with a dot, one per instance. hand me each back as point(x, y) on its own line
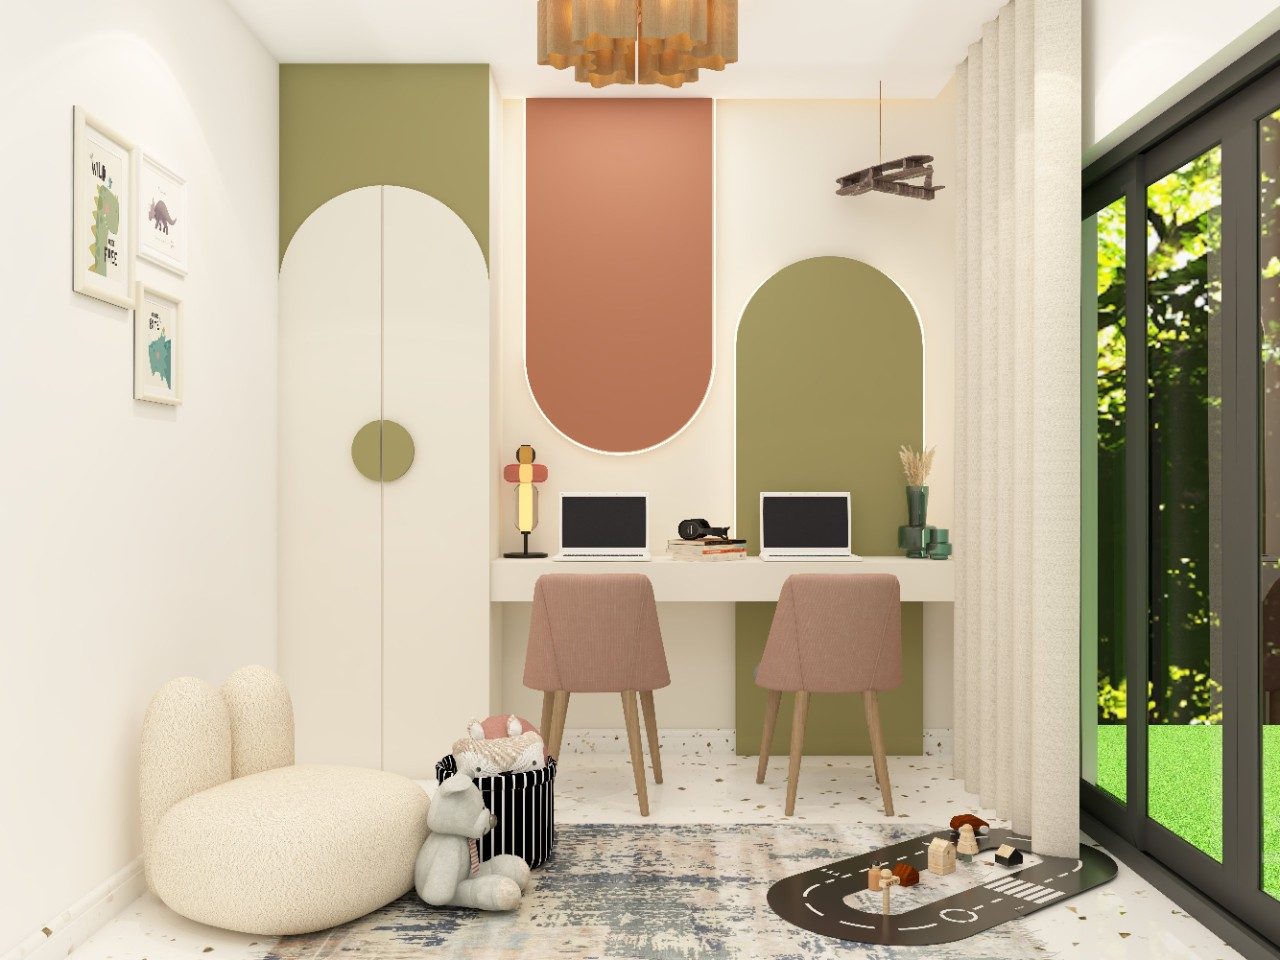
point(1269, 306)
point(1103, 654)
point(1185, 364)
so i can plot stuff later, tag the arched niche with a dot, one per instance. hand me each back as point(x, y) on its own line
point(830, 382)
point(619, 327)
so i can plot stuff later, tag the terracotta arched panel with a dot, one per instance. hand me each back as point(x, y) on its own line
point(830, 381)
point(618, 301)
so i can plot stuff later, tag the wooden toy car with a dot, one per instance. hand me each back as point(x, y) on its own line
point(980, 826)
point(908, 876)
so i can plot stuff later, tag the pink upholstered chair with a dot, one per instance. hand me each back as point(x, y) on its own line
point(598, 633)
point(832, 633)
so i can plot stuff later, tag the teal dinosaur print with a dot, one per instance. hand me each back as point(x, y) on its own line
point(160, 356)
point(106, 221)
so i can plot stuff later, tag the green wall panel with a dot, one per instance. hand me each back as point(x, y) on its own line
point(830, 380)
point(836, 724)
point(423, 126)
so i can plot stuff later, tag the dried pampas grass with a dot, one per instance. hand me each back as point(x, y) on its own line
point(915, 465)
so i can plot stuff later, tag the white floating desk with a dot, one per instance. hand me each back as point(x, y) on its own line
point(727, 581)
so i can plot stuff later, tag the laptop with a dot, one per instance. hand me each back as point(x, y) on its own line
point(805, 526)
point(604, 526)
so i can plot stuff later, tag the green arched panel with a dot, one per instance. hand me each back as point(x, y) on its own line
point(830, 380)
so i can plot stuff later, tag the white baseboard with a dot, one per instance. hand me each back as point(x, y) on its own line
point(701, 743)
point(73, 926)
point(676, 743)
point(938, 742)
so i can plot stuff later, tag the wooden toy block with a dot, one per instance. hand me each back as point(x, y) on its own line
point(942, 857)
point(1009, 856)
point(887, 882)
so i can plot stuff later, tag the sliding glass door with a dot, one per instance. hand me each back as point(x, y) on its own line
point(1185, 384)
point(1268, 266)
point(1181, 439)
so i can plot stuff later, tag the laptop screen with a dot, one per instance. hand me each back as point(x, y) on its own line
point(805, 522)
point(603, 523)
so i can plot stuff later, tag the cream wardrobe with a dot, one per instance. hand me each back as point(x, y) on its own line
point(384, 584)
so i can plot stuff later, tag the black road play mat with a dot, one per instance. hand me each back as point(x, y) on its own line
point(815, 899)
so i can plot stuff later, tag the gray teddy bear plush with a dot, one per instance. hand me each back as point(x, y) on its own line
point(442, 874)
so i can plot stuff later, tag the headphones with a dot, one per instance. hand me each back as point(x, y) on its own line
point(697, 529)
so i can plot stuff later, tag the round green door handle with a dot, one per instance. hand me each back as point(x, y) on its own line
point(382, 450)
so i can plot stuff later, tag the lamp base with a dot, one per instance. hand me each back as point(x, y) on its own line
point(525, 554)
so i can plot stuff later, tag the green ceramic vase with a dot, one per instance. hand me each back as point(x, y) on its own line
point(917, 506)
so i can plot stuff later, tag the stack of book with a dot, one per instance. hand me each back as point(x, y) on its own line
point(709, 548)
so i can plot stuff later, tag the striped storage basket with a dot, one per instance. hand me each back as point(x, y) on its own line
point(524, 804)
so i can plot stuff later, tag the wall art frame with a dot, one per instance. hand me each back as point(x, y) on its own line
point(158, 346)
point(102, 211)
point(163, 216)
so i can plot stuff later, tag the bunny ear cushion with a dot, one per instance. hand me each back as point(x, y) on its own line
point(514, 729)
point(474, 730)
point(455, 784)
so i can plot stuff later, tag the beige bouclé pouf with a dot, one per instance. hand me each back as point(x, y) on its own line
point(238, 837)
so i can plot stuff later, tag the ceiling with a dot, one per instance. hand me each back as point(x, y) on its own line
point(819, 49)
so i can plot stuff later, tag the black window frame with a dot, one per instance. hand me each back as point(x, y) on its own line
point(1223, 111)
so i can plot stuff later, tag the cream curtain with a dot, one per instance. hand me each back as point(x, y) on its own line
point(1017, 420)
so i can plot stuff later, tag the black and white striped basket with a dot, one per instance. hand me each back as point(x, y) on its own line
point(524, 804)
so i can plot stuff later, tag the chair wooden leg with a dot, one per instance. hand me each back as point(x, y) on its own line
point(548, 711)
point(798, 718)
point(766, 739)
point(871, 704)
point(559, 711)
point(632, 716)
point(651, 732)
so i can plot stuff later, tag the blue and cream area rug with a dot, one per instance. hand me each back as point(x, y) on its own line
point(648, 893)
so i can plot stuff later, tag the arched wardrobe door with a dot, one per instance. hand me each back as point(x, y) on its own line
point(436, 518)
point(329, 514)
point(386, 476)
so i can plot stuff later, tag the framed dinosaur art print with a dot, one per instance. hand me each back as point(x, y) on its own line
point(164, 220)
point(102, 211)
point(158, 347)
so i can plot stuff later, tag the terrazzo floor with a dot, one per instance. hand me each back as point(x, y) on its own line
point(1124, 919)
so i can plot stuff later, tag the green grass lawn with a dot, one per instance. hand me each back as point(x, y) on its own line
point(1184, 786)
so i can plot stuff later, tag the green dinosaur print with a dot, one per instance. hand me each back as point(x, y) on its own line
point(106, 221)
point(160, 356)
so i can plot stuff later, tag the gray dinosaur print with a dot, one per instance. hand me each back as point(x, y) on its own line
point(159, 212)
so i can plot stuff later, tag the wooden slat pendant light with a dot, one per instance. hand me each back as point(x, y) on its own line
point(657, 41)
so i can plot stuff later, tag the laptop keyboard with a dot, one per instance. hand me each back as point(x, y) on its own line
point(602, 556)
point(813, 556)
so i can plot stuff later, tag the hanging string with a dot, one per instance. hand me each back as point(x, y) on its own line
point(881, 121)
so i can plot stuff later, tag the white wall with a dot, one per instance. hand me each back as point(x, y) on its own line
point(776, 164)
point(1142, 56)
point(137, 542)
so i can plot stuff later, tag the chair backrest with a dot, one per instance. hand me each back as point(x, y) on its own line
point(261, 721)
point(595, 632)
point(835, 633)
point(195, 737)
point(186, 749)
